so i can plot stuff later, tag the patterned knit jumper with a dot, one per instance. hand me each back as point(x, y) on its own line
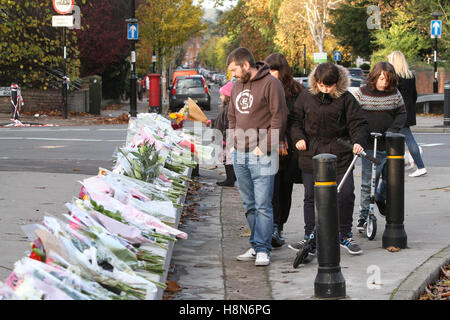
point(385, 111)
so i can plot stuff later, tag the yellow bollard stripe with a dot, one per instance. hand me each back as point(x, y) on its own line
point(395, 157)
point(327, 183)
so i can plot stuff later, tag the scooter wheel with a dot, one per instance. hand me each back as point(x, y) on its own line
point(300, 257)
point(371, 229)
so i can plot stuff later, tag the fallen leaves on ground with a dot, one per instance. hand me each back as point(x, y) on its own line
point(393, 249)
point(173, 286)
point(53, 113)
point(440, 290)
point(246, 233)
point(123, 118)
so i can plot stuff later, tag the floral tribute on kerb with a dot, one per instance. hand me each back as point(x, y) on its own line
point(114, 239)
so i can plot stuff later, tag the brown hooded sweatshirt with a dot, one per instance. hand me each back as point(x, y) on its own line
point(257, 108)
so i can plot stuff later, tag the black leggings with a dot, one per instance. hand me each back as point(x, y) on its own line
point(346, 202)
point(282, 198)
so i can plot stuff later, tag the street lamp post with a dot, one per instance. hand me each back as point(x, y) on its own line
point(133, 77)
point(64, 82)
point(435, 16)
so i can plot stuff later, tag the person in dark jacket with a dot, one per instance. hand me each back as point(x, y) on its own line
point(288, 171)
point(407, 87)
point(221, 123)
point(385, 111)
point(323, 113)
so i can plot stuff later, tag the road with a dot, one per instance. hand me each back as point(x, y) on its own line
point(84, 149)
point(60, 149)
point(436, 151)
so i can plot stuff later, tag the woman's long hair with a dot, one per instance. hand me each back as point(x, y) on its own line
point(398, 60)
point(389, 72)
point(277, 61)
point(226, 101)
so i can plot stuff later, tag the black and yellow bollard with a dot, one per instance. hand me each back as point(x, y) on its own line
point(329, 282)
point(394, 233)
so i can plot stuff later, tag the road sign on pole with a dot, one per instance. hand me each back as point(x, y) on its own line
point(133, 31)
point(436, 28)
point(63, 6)
point(337, 56)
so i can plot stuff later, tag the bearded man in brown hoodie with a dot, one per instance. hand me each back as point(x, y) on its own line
point(257, 117)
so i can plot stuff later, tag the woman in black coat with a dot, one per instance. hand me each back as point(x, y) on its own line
point(322, 114)
point(288, 172)
point(407, 88)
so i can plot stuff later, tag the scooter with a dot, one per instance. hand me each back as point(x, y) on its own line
point(303, 256)
point(371, 223)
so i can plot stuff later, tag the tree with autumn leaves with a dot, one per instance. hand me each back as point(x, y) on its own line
point(266, 26)
point(29, 45)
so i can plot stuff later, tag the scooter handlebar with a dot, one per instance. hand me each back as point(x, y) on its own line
point(362, 153)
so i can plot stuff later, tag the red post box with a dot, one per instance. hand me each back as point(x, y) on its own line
point(154, 95)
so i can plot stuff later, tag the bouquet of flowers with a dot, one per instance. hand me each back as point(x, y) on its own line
point(128, 193)
point(144, 163)
point(120, 247)
point(34, 280)
point(179, 117)
point(126, 213)
point(77, 266)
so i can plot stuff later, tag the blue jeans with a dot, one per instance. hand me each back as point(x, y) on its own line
point(366, 177)
point(413, 147)
point(255, 179)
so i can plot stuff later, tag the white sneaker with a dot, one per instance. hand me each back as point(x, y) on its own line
point(249, 255)
point(418, 172)
point(262, 259)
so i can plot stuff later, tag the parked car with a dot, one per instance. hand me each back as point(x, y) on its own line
point(356, 73)
point(222, 80)
point(357, 82)
point(182, 72)
point(193, 87)
point(210, 75)
point(302, 80)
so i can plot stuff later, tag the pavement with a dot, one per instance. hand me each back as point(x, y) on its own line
point(205, 266)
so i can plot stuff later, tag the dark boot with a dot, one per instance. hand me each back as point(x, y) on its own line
point(381, 207)
point(231, 178)
point(277, 236)
point(195, 171)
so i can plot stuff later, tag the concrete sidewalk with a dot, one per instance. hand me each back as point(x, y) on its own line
point(205, 265)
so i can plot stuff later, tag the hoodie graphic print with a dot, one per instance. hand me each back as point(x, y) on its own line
point(257, 111)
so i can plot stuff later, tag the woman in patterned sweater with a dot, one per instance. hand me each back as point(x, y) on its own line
point(385, 111)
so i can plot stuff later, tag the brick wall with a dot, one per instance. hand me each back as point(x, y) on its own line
point(424, 79)
point(36, 100)
point(193, 47)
